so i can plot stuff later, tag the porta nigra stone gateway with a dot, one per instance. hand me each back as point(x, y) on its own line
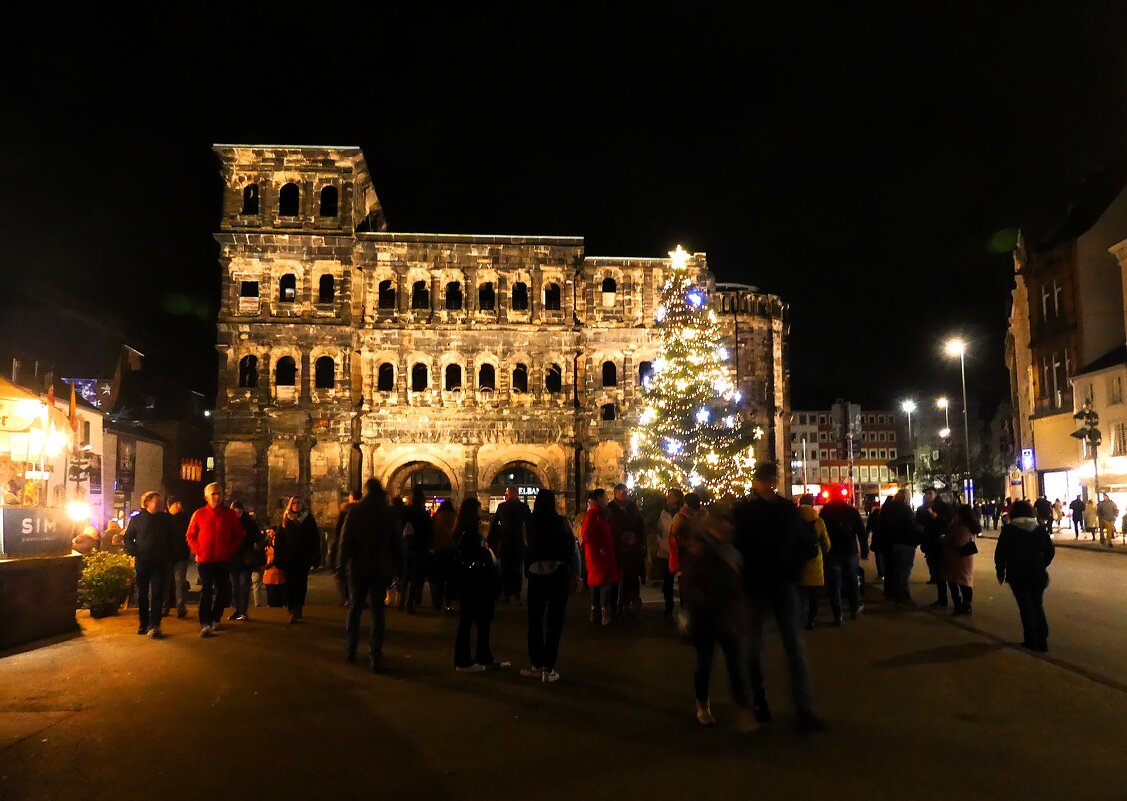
point(456, 363)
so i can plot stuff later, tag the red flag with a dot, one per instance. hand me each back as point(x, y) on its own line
point(73, 410)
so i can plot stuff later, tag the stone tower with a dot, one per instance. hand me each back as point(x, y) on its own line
point(454, 363)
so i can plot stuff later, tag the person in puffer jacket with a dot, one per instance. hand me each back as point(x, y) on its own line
point(1021, 559)
point(214, 534)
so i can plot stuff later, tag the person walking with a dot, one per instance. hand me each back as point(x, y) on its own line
point(958, 559)
point(297, 550)
point(214, 534)
point(674, 498)
point(1107, 512)
point(812, 579)
point(506, 538)
point(366, 554)
point(599, 553)
point(179, 557)
point(1076, 508)
point(552, 568)
point(242, 563)
point(629, 532)
point(990, 514)
point(872, 542)
point(273, 577)
point(1021, 559)
point(148, 539)
point(418, 536)
point(1044, 511)
point(1091, 518)
point(478, 586)
point(775, 544)
point(899, 536)
point(847, 534)
point(334, 544)
point(442, 561)
point(1058, 513)
point(933, 517)
point(718, 615)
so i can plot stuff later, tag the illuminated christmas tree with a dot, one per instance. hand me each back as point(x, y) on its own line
point(691, 432)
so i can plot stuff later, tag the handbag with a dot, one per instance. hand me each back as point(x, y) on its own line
point(970, 549)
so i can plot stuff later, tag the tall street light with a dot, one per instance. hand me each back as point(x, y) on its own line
point(942, 403)
point(945, 436)
point(958, 347)
point(908, 407)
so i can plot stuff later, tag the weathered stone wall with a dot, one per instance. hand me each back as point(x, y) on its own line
point(407, 303)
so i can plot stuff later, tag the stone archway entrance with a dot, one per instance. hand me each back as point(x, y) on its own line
point(521, 475)
point(434, 483)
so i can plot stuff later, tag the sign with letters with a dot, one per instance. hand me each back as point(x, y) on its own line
point(34, 531)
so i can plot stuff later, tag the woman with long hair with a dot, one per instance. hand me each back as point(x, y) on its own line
point(958, 558)
point(552, 567)
point(478, 584)
point(297, 550)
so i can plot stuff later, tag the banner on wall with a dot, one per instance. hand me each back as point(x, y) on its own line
point(27, 531)
point(126, 463)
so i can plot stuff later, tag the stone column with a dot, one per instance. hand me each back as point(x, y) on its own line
point(470, 476)
point(264, 380)
point(535, 299)
point(262, 480)
point(304, 481)
point(304, 391)
point(402, 376)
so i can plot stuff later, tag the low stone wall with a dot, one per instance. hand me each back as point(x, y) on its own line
point(38, 598)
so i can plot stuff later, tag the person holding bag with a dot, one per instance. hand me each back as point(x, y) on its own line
point(552, 568)
point(958, 558)
point(479, 582)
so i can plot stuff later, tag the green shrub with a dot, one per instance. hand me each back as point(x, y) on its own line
point(105, 581)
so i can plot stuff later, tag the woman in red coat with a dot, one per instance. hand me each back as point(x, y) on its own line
point(598, 550)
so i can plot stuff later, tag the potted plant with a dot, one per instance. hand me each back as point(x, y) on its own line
point(106, 579)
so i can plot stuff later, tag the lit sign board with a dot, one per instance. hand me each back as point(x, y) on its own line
point(34, 531)
point(1027, 463)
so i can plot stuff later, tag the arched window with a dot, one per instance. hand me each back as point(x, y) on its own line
point(385, 381)
point(553, 379)
point(387, 295)
point(609, 290)
point(486, 297)
point(610, 374)
point(453, 296)
point(607, 411)
point(248, 289)
point(287, 288)
point(329, 204)
point(453, 377)
point(250, 199)
point(248, 372)
point(289, 200)
point(285, 372)
point(487, 377)
point(324, 373)
point(520, 378)
point(419, 378)
point(326, 289)
point(552, 297)
point(420, 295)
point(520, 296)
point(645, 370)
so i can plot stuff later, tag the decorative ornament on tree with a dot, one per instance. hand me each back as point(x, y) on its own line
point(691, 433)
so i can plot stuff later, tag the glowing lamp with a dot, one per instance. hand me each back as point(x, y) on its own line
point(78, 511)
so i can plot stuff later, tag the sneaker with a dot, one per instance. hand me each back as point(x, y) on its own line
point(860, 610)
point(471, 669)
point(233, 616)
point(215, 626)
point(550, 676)
point(594, 616)
point(704, 714)
point(606, 617)
point(761, 711)
point(156, 634)
point(182, 612)
point(142, 631)
point(532, 672)
point(205, 632)
point(746, 722)
point(240, 616)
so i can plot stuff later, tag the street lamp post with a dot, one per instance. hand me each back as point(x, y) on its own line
point(945, 436)
point(908, 407)
point(958, 347)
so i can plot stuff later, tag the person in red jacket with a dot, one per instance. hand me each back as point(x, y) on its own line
point(598, 549)
point(214, 534)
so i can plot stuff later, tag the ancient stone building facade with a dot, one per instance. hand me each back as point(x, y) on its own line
point(445, 361)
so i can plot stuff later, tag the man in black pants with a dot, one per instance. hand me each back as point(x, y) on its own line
point(932, 518)
point(149, 540)
point(506, 538)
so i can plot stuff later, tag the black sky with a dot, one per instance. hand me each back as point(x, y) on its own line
point(856, 162)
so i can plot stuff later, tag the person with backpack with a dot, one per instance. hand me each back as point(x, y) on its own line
point(847, 533)
point(478, 587)
point(552, 568)
point(1021, 559)
point(813, 577)
point(775, 544)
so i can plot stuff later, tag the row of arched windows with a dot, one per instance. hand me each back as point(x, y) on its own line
point(455, 297)
point(289, 200)
point(285, 372)
point(287, 289)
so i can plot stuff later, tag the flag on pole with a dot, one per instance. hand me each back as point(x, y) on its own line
point(73, 409)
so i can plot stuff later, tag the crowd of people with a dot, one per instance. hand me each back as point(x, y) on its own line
point(1084, 517)
point(732, 567)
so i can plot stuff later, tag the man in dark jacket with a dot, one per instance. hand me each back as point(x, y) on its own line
point(418, 535)
point(899, 537)
point(775, 544)
point(1024, 551)
point(629, 532)
point(847, 534)
point(506, 538)
point(1044, 509)
point(932, 518)
point(367, 553)
point(148, 539)
point(1077, 509)
point(179, 557)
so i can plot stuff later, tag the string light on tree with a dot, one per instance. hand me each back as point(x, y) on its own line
point(691, 433)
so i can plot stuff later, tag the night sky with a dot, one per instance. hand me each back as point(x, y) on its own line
point(867, 166)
